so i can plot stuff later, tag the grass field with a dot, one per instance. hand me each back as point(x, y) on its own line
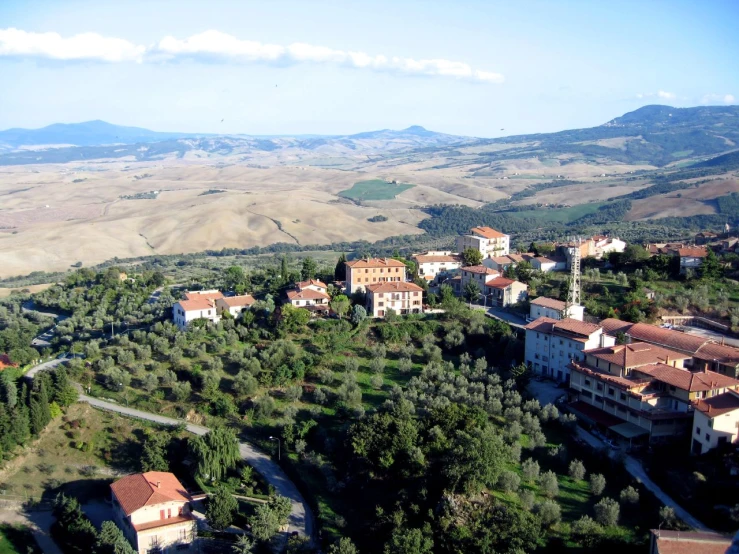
point(16, 539)
point(560, 215)
point(375, 189)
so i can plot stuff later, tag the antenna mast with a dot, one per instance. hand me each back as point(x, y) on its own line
point(573, 295)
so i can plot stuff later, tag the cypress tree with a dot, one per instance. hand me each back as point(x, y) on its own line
point(21, 425)
point(8, 390)
point(42, 395)
point(340, 270)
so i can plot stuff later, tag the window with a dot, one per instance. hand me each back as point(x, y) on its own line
point(611, 392)
point(708, 437)
point(536, 356)
point(587, 382)
point(698, 431)
point(622, 396)
point(586, 394)
point(599, 386)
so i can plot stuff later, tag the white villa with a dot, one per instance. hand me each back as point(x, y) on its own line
point(199, 304)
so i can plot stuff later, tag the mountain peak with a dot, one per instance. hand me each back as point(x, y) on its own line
point(415, 129)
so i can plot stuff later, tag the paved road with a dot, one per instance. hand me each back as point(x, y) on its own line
point(31, 373)
point(300, 520)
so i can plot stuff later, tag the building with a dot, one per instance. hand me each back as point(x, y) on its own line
point(552, 344)
point(502, 292)
point(153, 511)
point(687, 542)
point(368, 271)
point(545, 265)
point(705, 237)
point(234, 305)
point(433, 264)
point(478, 274)
point(604, 245)
point(554, 309)
point(598, 246)
point(706, 354)
point(645, 387)
point(403, 298)
point(664, 248)
point(691, 257)
point(715, 422)
point(489, 242)
point(196, 305)
point(308, 294)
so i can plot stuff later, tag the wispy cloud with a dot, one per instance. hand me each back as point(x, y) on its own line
point(212, 45)
point(664, 95)
point(713, 98)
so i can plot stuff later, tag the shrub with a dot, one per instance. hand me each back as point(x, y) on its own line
point(405, 365)
point(264, 407)
point(548, 484)
point(527, 498)
point(376, 382)
point(607, 512)
point(577, 470)
point(597, 484)
point(377, 365)
point(629, 496)
point(351, 364)
point(586, 531)
point(549, 512)
point(509, 481)
point(530, 470)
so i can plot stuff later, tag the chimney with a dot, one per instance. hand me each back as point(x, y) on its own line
point(159, 484)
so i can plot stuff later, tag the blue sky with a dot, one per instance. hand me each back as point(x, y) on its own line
point(282, 67)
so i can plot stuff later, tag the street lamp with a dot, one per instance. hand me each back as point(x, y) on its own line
point(485, 299)
point(278, 446)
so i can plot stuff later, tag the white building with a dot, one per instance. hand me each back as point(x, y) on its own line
point(367, 271)
point(545, 265)
point(554, 309)
point(196, 305)
point(153, 511)
point(309, 293)
point(691, 257)
point(234, 305)
point(552, 344)
point(478, 274)
point(715, 422)
point(402, 298)
point(489, 242)
point(432, 264)
point(603, 246)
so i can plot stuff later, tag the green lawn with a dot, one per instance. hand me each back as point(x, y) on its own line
point(560, 215)
point(16, 539)
point(374, 189)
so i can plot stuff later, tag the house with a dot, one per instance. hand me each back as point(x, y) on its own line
point(715, 422)
point(502, 292)
point(489, 242)
point(234, 305)
point(499, 263)
point(309, 294)
point(705, 237)
point(545, 265)
point(604, 245)
point(706, 354)
point(196, 305)
point(478, 274)
point(691, 257)
point(646, 387)
point(403, 298)
point(368, 271)
point(664, 248)
point(153, 511)
point(433, 264)
point(554, 309)
point(552, 344)
point(688, 542)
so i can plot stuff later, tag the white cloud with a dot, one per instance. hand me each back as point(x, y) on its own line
point(85, 46)
point(660, 94)
point(666, 95)
point(217, 46)
point(713, 98)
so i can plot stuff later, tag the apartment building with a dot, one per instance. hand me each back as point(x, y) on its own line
point(368, 271)
point(433, 264)
point(199, 304)
point(478, 274)
point(552, 344)
point(489, 242)
point(554, 309)
point(715, 422)
point(402, 298)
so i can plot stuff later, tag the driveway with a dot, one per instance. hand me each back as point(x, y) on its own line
point(545, 391)
point(39, 523)
point(300, 519)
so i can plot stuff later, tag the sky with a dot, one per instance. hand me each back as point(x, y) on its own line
point(477, 68)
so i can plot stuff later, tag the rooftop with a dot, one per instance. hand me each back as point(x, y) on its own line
point(692, 252)
point(547, 302)
point(635, 354)
point(148, 489)
point(480, 269)
point(567, 325)
point(375, 262)
point(307, 294)
point(200, 294)
point(196, 304)
point(311, 282)
point(500, 283)
point(687, 380)
point(689, 542)
point(487, 232)
point(719, 405)
point(397, 286)
point(431, 258)
point(238, 301)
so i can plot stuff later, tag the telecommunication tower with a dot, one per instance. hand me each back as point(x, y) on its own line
point(573, 295)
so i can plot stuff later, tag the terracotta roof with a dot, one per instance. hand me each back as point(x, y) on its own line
point(196, 304)
point(721, 353)
point(546, 302)
point(487, 232)
point(575, 326)
point(689, 542)
point(719, 405)
point(481, 269)
point(503, 260)
point(5, 361)
point(518, 258)
point(500, 283)
point(311, 282)
point(541, 325)
point(635, 354)
point(688, 380)
point(542, 260)
point(148, 489)
point(209, 294)
point(307, 294)
point(623, 382)
point(692, 252)
point(375, 262)
point(665, 337)
point(238, 301)
point(396, 286)
point(426, 258)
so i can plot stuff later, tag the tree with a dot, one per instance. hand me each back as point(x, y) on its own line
point(220, 509)
point(629, 495)
point(471, 256)
point(359, 314)
point(530, 470)
point(548, 484)
point(264, 523)
point(281, 506)
point(577, 470)
point(293, 319)
point(607, 512)
point(667, 516)
point(586, 531)
point(111, 540)
point(710, 269)
point(634, 253)
point(476, 459)
point(597, 484)
point(509, 481)
point(471, 291)
point(284, 271)
point(243, 545)
point(154, 453)
point(549, 512)
point(64, 392)
point(309, 268)
point(344, 546)
point(408, 541)
point(340, 269)
point(215, 452)
point(340, 304)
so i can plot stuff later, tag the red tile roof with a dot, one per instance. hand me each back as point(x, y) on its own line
point(693, 252)
point(546, 302)
point(311, 282)
point(481, 269)
point(635, 354)
point(425, 258)
point(576, 326)
point(689, 542)
point(397, 286)
point(238, 301)
point(612, 326)
point(719, 405)
point(721, 353)
point(148, 489)
point(541, 325)
point(500, 283)
point(209, 294)
point(197, 304)
point(307, 294)
point(666, 337)
point(687, 380)
point(487, 232)
point(375, 262)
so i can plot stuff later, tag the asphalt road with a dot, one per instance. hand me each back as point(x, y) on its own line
point(31, 373)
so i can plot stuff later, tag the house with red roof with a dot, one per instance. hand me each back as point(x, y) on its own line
point(402, 298)
point(234, 305)
point(153, 511)
point(489, 242)
point(502, 292)
point(199, 304)
point(368, 271)
point(715, 422)
point(6, 362)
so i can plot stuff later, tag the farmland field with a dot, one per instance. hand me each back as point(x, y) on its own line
point(375, 189)
point(560, 215)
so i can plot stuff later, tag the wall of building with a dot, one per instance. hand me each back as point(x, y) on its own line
point(400, 302)
point(358, 278)
point(708, 431)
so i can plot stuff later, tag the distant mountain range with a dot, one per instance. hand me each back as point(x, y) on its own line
point(653, 135)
